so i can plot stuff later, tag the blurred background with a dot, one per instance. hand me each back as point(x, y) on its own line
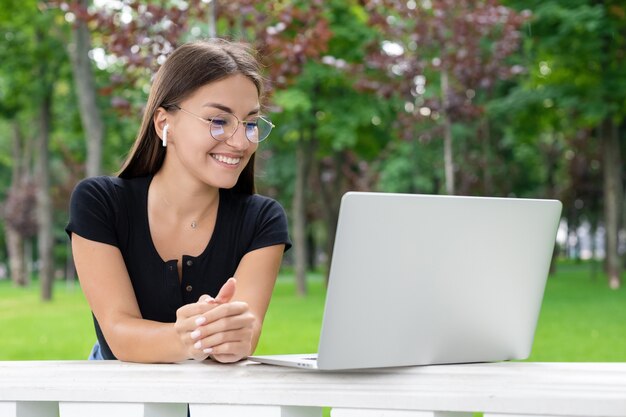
point(488, 98)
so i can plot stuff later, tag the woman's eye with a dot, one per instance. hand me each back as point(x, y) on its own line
point(219, 122)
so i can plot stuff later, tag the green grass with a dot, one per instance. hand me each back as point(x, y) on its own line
point(33, 330)
point(292, 323)
point(581, 320)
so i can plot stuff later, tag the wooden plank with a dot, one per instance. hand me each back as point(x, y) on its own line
point(357, 412)
point(103, 409)
point(228, 410)
point(516, 415)
point(29, 409)
point(522, 388)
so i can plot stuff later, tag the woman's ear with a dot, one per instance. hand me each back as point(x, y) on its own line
point(160, 124)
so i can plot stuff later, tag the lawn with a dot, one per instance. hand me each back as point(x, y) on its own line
point(581, 320)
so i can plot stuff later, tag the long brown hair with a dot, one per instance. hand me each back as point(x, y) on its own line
point(188, 68)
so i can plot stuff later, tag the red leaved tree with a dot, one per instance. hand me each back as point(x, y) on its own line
point(443, 57)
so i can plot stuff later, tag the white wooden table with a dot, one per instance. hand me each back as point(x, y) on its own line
point(118, 389)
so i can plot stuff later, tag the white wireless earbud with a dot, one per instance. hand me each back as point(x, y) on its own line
point(165, 135)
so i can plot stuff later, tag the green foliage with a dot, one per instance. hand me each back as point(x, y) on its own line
point(571, 76)
point(35, 64)
point(351, 31)
point(408, 168)
point(576, 57)
point(293, 100)
point(323, 99)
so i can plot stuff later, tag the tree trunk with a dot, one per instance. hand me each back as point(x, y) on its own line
point(620, 132)
point(612, 171)
point(17, 261)
point(448, 160)
point(14, 238)
point(593, 230)
point(29, 257)
point(311, 248)
point(44, 201)
point(332, 218)
point(331, 193)
point(90, 115)
point(299, 217)
point(212, 19)
point(486, 157)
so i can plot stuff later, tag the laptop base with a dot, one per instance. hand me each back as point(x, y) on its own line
point(302, 361)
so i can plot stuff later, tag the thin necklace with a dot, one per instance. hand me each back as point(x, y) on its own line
point(194, 223)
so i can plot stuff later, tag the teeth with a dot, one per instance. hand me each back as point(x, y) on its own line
point(226, 160)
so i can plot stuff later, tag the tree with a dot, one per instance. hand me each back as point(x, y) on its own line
point(326, 120)
point(298, 33)
point(24, 25)
point(577, 52)
point(18, 213)
point(18, 208)
point(458, 48)
point(86, 88)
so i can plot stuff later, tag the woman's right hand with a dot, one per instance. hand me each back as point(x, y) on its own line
point(189, 317)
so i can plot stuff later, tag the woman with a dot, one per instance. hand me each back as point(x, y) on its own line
point(155, 248)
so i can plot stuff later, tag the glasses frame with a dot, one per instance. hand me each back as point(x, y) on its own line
point(209, 120)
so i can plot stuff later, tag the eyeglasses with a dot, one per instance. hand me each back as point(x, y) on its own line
point(224, 125)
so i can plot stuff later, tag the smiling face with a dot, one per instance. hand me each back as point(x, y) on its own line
point(193, 150)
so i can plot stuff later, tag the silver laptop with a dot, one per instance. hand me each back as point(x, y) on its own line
point(424, 279)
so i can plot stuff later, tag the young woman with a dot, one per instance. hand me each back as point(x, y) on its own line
point(177, 255)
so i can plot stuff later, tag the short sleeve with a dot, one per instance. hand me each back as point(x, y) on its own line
point(93, 211)
point(271, 227)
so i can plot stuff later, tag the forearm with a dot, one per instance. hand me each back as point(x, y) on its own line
point(146, 341)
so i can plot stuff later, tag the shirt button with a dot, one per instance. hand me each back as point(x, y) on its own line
point(189, 262)
point(189, 288)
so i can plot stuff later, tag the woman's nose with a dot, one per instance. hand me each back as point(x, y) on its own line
point(239, 140)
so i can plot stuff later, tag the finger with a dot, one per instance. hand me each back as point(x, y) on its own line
point(189, 317)
point(240, 336)
point(221, 311)
point(205, 298)
point(201, 358)
point(243, 321)
point(227, 358)
point(227, 291)
point(238, 349)
point(193, 309)
point(204, 324)
point(201, 332)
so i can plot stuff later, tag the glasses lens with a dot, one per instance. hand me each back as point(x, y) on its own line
point(258, 129)
point(223, 126)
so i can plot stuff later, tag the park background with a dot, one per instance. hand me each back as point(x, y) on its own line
point(488, 98)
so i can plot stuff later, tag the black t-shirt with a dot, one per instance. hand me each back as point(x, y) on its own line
point(114, 211)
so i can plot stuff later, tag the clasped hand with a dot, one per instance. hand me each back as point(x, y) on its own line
point(218, 327)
